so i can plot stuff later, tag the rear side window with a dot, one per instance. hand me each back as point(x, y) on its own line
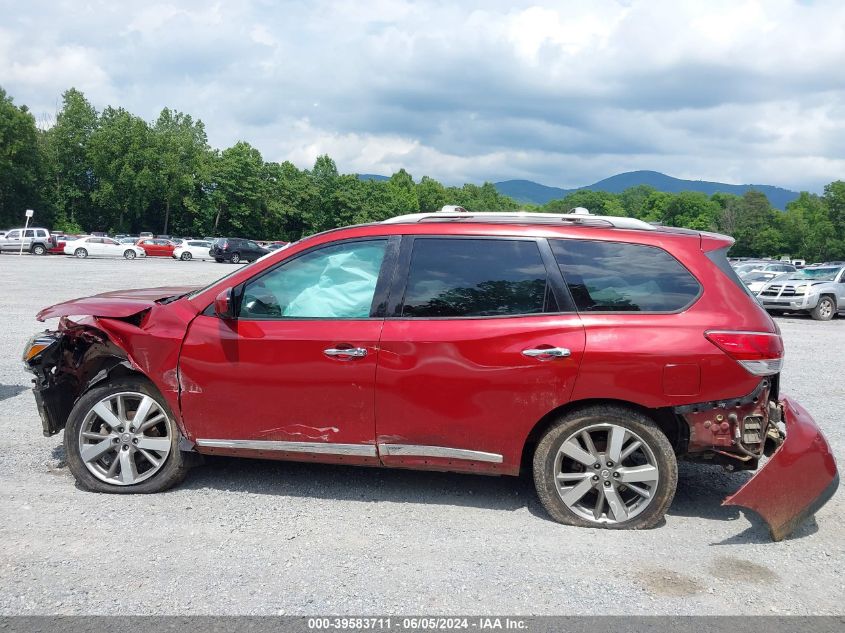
point(620, 277)
point(476, 278)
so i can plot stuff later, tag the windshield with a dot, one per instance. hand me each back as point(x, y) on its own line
point(815, 274)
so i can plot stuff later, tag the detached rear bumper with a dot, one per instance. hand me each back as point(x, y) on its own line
point(796, 481)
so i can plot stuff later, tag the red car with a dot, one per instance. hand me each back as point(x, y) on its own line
point(157, 247)
point(593, 351)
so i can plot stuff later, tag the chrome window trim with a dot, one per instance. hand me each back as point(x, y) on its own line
point(416, 450)
point(323, 448)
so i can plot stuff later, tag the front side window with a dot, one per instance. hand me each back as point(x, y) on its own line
point(334, 282)
point(13, 235)
point(620, 277)
point(465, 277)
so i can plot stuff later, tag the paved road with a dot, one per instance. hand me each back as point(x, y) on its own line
point(251, 537)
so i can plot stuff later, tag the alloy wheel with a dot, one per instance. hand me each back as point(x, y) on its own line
point(606, 473)
point(185, 257)
point(825, 308)
point(125, 438)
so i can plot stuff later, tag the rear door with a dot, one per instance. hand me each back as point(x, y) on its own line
point(481, 341)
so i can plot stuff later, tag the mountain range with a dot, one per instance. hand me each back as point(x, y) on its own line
point(535, 193)
point(529, 191)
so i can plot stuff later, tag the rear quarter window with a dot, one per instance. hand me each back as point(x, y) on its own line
point(622, 277)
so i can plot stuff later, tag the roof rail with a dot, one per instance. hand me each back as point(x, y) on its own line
point(523, 217)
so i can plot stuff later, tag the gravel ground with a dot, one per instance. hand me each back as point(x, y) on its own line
point(252, 537)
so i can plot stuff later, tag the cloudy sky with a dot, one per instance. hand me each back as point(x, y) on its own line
point(564, 93)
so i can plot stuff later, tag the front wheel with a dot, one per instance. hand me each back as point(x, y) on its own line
point(824, 310)
point(129, 254)
point(121, 438)
point(607, 467)
point(185, 256)
point(81, 253)
point(236, 258)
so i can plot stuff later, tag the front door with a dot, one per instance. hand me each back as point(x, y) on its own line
point(481, 342)
point(294, 375)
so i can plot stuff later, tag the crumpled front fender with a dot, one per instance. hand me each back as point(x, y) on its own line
point(796, 481)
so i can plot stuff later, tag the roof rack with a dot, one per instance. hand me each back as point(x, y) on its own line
point(523, 217)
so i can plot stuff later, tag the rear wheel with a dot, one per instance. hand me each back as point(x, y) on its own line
point(129, 254)
point(121, 437)
point(186, 256)
point(824, 310)
point(39, 249)
point(219, 260)
point(236, 258)
point(81, 253)
point(605, 466)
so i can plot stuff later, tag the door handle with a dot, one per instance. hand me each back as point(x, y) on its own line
point(551, 352)
point(349, 352)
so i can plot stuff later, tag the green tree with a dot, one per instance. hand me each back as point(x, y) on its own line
point(431, 195)
point(122, 156)
point(21, 165)
point(237, 190)
point(68, 147)
point(180, 149)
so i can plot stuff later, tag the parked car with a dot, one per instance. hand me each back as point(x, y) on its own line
point(764, 267)
point(817, 290)
point(93, 246)
point(193, 249)
point(236, 250)
point(145, 234)
point(35, 240)
point(594, 351)
point(756, 281)
point(275, 246)
point(129, 240)
point(157, 247)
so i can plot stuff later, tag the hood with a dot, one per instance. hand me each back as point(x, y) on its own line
point(117, 304)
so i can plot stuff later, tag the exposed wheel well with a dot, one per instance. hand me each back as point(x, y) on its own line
point(673, 426)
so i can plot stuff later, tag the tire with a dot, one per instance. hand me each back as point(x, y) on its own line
point(613, 484)
point(39, 249)
point(236, 258)
point(81, 253)
point(129, 254)
point(185, 257)
point(825, 309)
point(142, 476)
point(219, 260)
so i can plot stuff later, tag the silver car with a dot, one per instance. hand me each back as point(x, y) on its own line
point(819, 290)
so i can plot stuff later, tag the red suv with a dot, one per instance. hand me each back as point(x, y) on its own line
point(594, 351)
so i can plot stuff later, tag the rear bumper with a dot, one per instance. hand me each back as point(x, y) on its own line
point(796, 481)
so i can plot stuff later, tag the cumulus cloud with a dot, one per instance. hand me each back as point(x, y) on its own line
point(564, 93)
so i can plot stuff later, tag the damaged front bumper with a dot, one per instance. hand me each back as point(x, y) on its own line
point(798, 479)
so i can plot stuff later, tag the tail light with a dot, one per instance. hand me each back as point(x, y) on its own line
point(225, 246)
point(760, 353)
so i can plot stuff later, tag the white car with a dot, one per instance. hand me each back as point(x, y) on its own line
point(756, 281)
point(193, 249)
point(102, 247)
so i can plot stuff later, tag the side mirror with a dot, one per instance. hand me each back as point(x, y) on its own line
point(224, 306)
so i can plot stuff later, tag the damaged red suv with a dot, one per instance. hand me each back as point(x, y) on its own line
point(594, 351)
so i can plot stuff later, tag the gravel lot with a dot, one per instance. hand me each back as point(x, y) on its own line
point(251, 537)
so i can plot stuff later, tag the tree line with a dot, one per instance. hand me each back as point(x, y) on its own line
point(113, 171)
